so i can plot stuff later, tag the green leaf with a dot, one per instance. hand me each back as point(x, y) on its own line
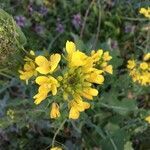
point(128, 146)
point(111, 127)
point(79, 43)
point(123, 107)
point(115, 141)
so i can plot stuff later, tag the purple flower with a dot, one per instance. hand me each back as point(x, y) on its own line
point(43, 10)
point(129, 28)
point(39, 29)
point(59, 26)
point(76, 21)
point(112, 44)
point(20, 20)
point(30, 8)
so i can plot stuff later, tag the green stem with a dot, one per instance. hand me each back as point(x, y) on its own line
point(112, 141)
point(148, 40)
point(134, 19)
point(85, 18)
point(55, 38)
point(5, 75)
point(57, 131)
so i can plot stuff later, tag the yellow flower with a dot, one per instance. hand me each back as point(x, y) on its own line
point(142, 11)
point(145, 12)
point(147, 119)
point(74, 113)
point(104, 64)
point(108, 69)
point(56, 148)
point(95, 77)
point(29, 68)
point(28, 71)
point(75, 57)
point(47, 84)
point(70, 48)
point(139, 71)
point(47, 66)
point(144, 78)
point(146, 57)
point(82, 71)
point(89, 93)
point(131, 64)
point(106, 56)
point(32, 53)
point(144, 65)
point(96, 56)
point(77, 106)
point(55, 111)
point(76, 80)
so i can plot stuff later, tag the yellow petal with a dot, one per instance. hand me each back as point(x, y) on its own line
point(56, 148)
point(109, 69)
point(95, 78)
point(55, 111)
point(89, 93)
point(146, 57)
point(78, 59)
point(70, 47)
point(86, 105)
point(148, 119)
point(32, 53)
point(39, 98)
point(81, 106)
point(54, 90)
point(96, 56)
point(144, 65)
point(41, 80)
point(106, 56)
point(86, 95)
point(74, 113)
point(142, 11)
point(41, 61)
point(131, 64)
point(54, 60)
point(44, 65)
point(43, 70)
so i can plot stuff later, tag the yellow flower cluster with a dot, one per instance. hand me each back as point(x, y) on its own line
point(29, 69)
point(75, 81)
point(81, 72)
point(145, 12)
point(140, 71)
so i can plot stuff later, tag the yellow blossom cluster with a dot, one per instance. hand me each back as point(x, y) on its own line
point(75, 82)
point(140, 70)
point(145, 12)
point(29, 68)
